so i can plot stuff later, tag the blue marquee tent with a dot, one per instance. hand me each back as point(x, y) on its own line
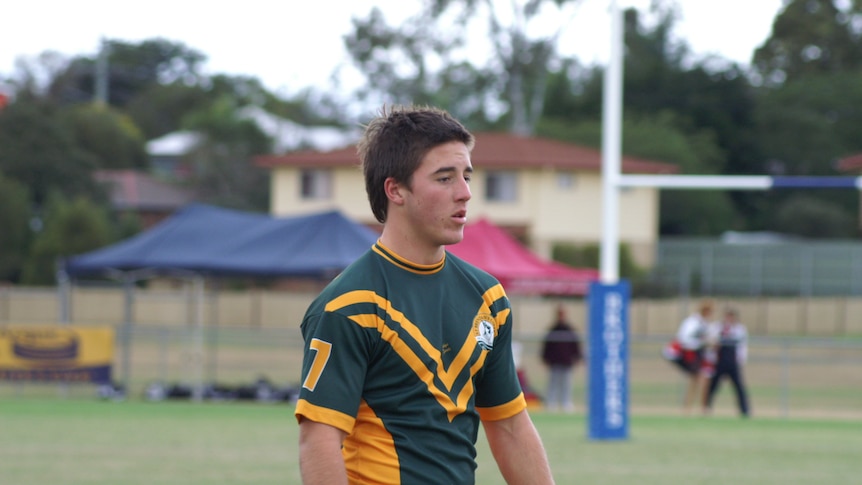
point(215, 241)
point(202, 241)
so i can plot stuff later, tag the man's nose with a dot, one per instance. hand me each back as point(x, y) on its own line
point(464, 191)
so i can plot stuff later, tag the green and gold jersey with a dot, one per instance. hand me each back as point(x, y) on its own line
point(406, 358)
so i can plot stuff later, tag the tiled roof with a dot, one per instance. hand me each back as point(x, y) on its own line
point(131, 189)
point(851, 163)
point(334, 158)
point(493, 150)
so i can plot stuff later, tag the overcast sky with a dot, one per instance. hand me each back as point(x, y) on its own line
point(293, 44)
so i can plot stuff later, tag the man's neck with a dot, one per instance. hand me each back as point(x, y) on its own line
point(409, 248)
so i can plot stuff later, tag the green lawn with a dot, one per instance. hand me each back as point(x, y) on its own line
point(83, 441)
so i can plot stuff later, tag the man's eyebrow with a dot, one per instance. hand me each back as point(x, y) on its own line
point(452, 169)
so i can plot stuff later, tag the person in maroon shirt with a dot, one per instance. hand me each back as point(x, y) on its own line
point(561, 351)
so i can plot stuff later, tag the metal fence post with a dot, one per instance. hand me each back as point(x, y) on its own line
point(785, 376)
point(755, 258)
point(707, 257)
point(126, 330)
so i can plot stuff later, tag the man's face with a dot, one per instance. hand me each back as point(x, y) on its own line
point(436, 202)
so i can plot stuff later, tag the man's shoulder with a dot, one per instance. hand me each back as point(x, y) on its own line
point(470, 269)
point(355, 277)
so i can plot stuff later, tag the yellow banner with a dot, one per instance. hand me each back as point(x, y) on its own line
point(59, 353)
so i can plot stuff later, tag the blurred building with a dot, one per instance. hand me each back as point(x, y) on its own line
point(544, 192)
point(142, 194)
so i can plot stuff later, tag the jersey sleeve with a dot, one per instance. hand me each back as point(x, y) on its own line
point(335, 359)
point(498, 391)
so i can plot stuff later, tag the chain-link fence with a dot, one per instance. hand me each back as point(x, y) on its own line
point(789, 268)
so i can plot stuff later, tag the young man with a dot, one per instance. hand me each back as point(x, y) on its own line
point(410, 347)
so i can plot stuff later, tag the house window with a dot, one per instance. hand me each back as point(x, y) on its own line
point(316, 184)
point(566, 181)
point(501, 186)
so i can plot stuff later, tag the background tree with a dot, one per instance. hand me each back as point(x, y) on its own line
point(805, 215)
point(130, 69)
point(424, 60)
point(523, 60)
point(809, 110)
point(223, 171)
point(71, 227)
point(33, 76)
point(398, 64)
point(808, 123)
point(109, 137)
point(53, 136)
point(14, 221)
point(40, 153)
point(158, 109)
point(811, 37)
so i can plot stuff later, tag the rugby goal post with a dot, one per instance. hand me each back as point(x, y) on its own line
point(608, 315)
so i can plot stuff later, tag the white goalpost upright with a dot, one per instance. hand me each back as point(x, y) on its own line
point(612, 113)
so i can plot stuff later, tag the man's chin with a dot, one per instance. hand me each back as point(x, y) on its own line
point(453, 237)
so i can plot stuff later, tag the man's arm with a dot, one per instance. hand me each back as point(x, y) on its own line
point(518, 450)
point(320, 458)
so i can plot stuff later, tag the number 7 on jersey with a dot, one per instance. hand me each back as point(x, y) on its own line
point(321, 349)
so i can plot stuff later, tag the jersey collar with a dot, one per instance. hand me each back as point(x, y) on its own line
point(405, 264)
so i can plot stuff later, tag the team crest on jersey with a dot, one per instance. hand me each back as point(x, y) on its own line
point(485, 329)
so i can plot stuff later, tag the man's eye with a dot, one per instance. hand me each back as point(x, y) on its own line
point(468, 178)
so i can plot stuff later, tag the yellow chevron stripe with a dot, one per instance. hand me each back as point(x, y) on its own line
point(493, 294)
point(447, 376)
point(369, 441)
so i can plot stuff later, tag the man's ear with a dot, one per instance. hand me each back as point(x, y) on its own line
point(394, 190)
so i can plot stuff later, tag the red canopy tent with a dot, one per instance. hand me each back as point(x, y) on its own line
point(519, 270)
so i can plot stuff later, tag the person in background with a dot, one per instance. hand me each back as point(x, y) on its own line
point(686, 350)
point(409, 349)
point(730, 350)
point(561, 352)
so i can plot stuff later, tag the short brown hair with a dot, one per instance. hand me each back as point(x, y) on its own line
point(396, 141)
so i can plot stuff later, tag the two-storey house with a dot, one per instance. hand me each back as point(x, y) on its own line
point(543, 191)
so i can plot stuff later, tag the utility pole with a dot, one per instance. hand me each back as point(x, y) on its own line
point(100, 95)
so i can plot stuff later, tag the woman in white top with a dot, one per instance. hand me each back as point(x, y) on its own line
point(687, 348)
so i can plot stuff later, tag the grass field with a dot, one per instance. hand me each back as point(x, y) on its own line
point(85, 441)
